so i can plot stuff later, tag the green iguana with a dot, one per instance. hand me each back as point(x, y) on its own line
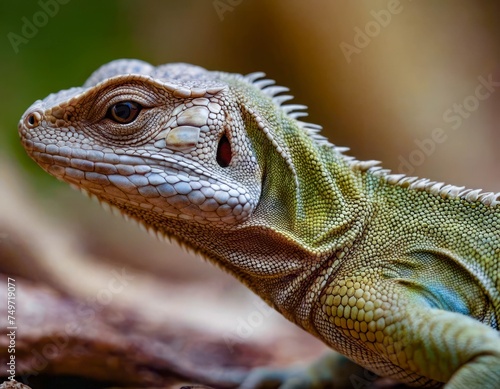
point(399, 274)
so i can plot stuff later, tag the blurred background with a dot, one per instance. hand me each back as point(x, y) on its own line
point(379, 76)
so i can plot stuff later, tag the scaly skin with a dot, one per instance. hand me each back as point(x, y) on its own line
point(400, 275)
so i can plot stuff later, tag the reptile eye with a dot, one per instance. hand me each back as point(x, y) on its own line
point(124, 112)
point(224, 153)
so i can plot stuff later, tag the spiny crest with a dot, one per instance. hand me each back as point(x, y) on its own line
point(293, 111)
point(296, 111)
point(424, 184)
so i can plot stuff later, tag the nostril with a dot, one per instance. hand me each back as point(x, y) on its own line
point(33, 119)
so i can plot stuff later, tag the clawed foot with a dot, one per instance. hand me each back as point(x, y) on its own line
point(331, 371)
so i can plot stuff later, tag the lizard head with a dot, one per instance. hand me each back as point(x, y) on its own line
point(212, 159)
point(168, 141)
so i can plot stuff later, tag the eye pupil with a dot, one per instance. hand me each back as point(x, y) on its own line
point(224, 153)
point(124, 112)
point(31, 119)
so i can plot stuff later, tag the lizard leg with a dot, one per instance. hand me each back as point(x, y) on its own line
point(331, 370)
point(444, 346)
point(415, 335)
point(472, 349)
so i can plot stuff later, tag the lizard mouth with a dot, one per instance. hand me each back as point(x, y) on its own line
point(168, 186)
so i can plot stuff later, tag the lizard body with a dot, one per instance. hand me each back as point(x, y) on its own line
point(401, 275)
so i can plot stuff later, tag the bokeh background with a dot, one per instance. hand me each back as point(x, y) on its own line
point(380, 95)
